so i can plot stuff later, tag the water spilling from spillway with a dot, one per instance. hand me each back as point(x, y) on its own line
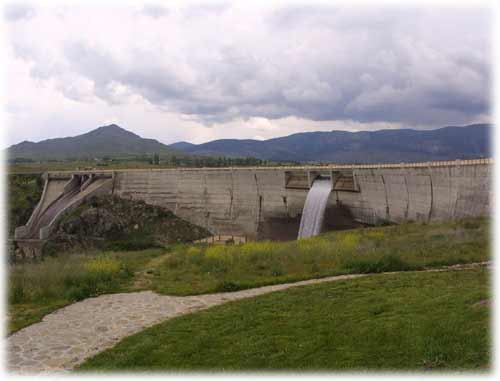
point(314, 208)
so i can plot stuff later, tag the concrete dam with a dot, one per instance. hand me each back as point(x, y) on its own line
point(257, 202)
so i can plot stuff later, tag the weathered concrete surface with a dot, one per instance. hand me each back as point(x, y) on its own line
point(71, 335)
point(241, 201)
point(238, 201)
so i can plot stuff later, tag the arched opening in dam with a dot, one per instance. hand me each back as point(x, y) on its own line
point(336, 217)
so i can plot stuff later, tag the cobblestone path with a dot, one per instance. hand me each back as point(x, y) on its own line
point(70, 335)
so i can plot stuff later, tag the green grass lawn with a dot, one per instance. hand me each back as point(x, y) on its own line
point(408, 321)
point(36, 289)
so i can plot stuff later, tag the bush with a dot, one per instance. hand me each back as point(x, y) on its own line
point(350, 241)
point(218, 259)
point(16, 293)
point(100, 275)
point(103, 267)
point(471, 225)
point(133, 243)
point(385, 264)
point(277, 269)
point(227, 286)
point(194, 254)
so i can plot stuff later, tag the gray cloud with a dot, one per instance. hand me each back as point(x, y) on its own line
point(314, 62)
point(18, 11)
point(154, 10)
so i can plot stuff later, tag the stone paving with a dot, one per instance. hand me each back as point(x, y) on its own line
point(70, 335)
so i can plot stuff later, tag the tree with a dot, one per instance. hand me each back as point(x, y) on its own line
point(174, 161)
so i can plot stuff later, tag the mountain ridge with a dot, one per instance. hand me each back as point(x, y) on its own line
point(396, 145)
point(381, 146)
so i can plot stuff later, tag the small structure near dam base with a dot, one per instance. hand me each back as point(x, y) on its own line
point(253, 202)
point(223, 240)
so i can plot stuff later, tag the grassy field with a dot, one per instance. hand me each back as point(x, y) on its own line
point(407, 321)
point(195, 270)
point(35, 289)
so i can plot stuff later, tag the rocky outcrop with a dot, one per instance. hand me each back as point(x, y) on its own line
point(111, 222)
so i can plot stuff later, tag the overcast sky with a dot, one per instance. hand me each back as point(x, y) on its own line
point(204, 71)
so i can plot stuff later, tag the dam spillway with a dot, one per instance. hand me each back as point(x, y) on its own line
point(244, 201)
point(313, 213)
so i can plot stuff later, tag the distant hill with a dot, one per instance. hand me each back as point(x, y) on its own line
point(383, 146)
point(110, 141)
point(403, 145)
point(181, 146)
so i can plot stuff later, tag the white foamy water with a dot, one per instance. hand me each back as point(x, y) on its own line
point(314, 208)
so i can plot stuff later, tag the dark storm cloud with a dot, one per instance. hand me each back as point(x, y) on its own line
point(315, 62)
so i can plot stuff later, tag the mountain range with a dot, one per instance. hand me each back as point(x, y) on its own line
point(395, 145)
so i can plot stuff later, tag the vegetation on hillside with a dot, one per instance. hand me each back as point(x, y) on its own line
point(149, 161)
point(406, 322)
point(111, 147)
point(35, 289)
point(24, 192)
point(383, 146)
point(109, 140)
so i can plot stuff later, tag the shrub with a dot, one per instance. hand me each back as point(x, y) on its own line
point(375, 234)
point(350, 241)
point(215, 252)
point(277, 269)
point(100, 275)
point(173, 261)
point(313, 246)
point(228, 286)
point(257, 249)
point(194, 255)
point(315, 268)
point(103, 267)
point(471, 224)
point(132, 243)
point(385, 264)
point(16, 293)
point(193, 250)
point(219, 257)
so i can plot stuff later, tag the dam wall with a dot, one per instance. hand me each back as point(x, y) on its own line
point(239, 201)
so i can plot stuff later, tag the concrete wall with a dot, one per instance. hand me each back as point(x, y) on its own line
point(237, 201)
point(430, 193)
